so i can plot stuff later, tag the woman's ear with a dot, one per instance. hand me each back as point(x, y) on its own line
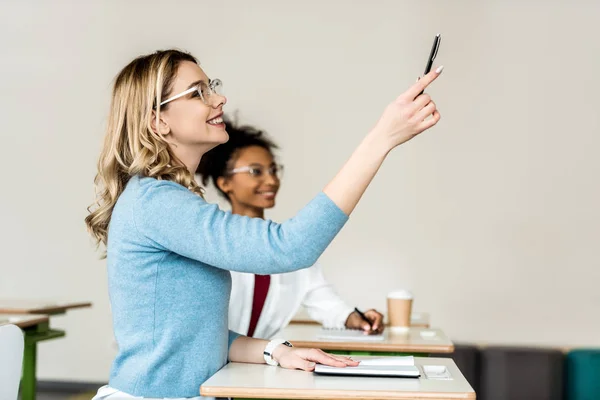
point(160, 127)
point(224, 184)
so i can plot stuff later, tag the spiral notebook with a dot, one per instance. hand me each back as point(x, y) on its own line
point(351, 335)
point(399, 367)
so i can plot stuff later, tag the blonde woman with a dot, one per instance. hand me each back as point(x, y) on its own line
point(169, 252)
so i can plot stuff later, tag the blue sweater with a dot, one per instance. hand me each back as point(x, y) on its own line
point(169, 254)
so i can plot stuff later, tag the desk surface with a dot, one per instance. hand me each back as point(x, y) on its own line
point(415, 340)
point(264, 381)
point(417, 320)
point(22, 306)
point(22, 321)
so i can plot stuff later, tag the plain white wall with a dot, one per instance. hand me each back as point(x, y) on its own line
point(491, 218)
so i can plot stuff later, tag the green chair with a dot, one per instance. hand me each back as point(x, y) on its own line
point(582, 374)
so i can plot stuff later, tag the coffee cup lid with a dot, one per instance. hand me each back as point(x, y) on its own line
point(400, 294)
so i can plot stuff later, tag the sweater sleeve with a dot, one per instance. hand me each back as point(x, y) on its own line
point(322, 303)
point(175, 219)
point(231, 338)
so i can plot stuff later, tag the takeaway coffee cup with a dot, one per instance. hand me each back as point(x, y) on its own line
point(399, 308)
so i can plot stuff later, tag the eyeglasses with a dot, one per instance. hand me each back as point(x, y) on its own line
point(258, 171)
point(203, 89)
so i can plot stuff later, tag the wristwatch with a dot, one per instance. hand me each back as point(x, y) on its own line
point(268, 353)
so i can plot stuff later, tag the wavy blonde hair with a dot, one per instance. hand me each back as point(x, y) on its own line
point(131, 146)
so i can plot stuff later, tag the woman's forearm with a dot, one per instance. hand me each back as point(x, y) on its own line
point(410, 114)
point(350, 183)
point(247, 350)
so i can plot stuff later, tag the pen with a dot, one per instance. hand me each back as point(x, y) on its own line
point(363, 316)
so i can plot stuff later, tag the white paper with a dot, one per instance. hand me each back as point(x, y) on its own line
point(352, 335)
point(387, 361)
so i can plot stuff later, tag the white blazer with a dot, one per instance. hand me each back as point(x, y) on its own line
point(287, 292)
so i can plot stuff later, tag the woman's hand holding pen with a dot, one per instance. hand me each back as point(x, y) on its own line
point(371, 322)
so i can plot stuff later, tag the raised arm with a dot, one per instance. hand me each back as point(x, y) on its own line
point(180, 221)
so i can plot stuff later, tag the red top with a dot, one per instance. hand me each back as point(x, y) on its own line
point(261, 288)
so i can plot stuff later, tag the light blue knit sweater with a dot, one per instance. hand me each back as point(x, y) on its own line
point(169, 254)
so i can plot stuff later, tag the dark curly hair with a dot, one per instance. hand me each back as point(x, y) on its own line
point(216, 162)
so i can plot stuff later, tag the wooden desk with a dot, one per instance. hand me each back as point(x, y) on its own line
point(267, 382)
point(414, 341)
point(19, 306)
point(23, 321)
point(36, 328)
point(35, 332)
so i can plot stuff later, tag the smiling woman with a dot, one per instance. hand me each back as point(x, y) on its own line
point(244, 170)
point(202, 128)
point(170, 253)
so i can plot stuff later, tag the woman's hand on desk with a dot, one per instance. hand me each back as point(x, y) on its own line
point(306, 359)
point(355, 321)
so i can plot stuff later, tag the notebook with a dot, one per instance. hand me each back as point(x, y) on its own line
point(399, 367)
point(351, 335)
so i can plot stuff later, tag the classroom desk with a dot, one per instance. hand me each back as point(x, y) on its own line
point(417, 320)
point(35, 333)
point(23, 321)
point(267, 382)
point(36, 328)
point(414, 341)
point(18, 306)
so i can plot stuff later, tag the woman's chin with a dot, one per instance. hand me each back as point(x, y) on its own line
point(224, 137)
point(218, 134)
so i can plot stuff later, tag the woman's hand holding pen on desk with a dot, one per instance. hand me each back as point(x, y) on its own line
point(371, 322)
